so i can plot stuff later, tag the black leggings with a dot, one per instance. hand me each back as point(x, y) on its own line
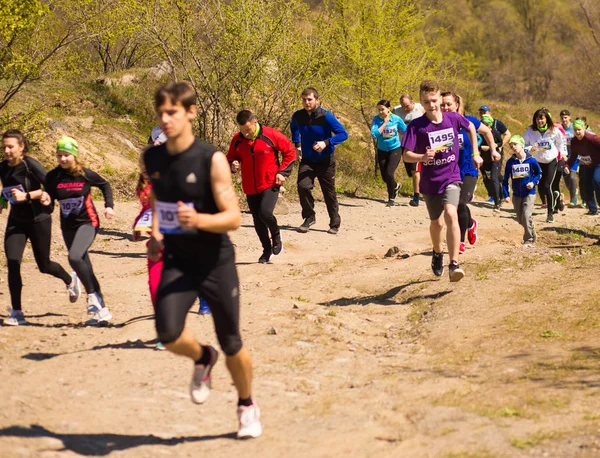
point(262, 206)
point(15, 238)
point(464, 213)
point(78, 242)
point(211, 275)
point(388, 163)
point(545, 187)
point(491, 180)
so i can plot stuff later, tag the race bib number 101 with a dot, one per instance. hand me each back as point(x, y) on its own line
point(168, 222)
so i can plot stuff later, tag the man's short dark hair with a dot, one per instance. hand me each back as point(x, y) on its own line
point(245, 116)
point(565, 113)
point(428, 86)
point(175, 93)
point(310, 91)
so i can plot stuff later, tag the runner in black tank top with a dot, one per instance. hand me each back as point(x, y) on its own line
point(194, 206)
point(22, 180)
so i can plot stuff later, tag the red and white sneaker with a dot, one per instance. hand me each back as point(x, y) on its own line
point(461, 248)
point(472, 233)
point(200, 384)
point(250, 425)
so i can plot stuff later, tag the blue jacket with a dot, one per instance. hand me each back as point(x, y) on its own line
point(465, 160)
point(522, 173)
point(389, 140)
point(320, 125)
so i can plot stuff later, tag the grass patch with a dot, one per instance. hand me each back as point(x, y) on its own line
point(300, 299)
point(550, 334)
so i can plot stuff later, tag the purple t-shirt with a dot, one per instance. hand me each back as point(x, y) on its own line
point(444, 168)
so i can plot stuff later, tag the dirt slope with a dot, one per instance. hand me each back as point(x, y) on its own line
point(355, 354)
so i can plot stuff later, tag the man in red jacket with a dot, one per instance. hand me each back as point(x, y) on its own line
point(256, 148)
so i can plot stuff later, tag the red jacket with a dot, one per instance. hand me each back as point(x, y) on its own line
point(259, 158)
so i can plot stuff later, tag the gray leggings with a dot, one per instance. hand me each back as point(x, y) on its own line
point(78, 242)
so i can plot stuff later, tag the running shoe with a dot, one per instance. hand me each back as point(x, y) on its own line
point(94, 303)
point(456, 273)
point(561, 202)
point(550, 219)
point(16, 318)
point(305, 226)
point(462, 248)
point(592, 213)
point(398, 186)
point(204, 309)
point(414, 202)
point(496, 209)
point(472, 233)
point(74, 288)
point(160, 347)
point(437, 264)
point(490, 200)
point(200, 385)
point(573, 203)
point(250, 426)
point(390, 203)
point(333, 230)
point(264, 258)
point(277, 245)
point(100, 318)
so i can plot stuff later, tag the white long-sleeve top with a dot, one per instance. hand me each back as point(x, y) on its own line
point(546, 146)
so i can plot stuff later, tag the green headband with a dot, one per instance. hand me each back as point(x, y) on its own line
point(68, 145)
point(578, 124)
point(517, 139)
point(487, 120)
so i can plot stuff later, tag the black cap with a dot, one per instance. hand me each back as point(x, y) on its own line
point(565, 112)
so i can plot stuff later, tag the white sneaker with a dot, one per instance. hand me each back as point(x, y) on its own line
point(250, 425)
point(94, 303)
point(16, 318)
point(102, 316)
point(201, 383)
point(74, 289)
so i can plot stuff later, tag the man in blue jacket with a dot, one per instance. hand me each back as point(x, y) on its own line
point(315, 133)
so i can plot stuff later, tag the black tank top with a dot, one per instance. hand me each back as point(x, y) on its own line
point(183, 177)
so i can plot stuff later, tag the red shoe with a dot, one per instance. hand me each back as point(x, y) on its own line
point(461, 248)
point(472, 233)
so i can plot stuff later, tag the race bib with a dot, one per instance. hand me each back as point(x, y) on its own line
point(144, 222)
point(442, 139)
point(461, 141)
point(168, 223)
point(390, 132)
point(71, 206)
point(7, 193)
point(544, 144)
point(521, 171)
point(585, 160)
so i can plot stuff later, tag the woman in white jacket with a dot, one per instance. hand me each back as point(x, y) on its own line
point(546, 143)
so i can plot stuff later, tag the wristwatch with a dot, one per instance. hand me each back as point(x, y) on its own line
point(28, 198)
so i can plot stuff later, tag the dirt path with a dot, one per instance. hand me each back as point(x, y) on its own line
point(355, 354)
